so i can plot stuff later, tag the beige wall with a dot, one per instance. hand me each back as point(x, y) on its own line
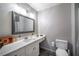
point(5, 15)
point(55, 23)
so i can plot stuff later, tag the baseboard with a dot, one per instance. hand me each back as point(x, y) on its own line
point(48, 49)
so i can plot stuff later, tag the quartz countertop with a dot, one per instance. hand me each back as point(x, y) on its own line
point(18, 44)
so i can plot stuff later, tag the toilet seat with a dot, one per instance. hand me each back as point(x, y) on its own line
point(61, 52)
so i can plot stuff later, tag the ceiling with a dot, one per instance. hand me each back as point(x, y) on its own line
point(42, 6)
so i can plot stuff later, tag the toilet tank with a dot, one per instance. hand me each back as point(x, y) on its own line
point(63, 44)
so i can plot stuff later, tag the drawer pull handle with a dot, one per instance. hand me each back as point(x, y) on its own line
point(34, 48)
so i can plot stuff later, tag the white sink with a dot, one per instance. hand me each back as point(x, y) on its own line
point(29, 38)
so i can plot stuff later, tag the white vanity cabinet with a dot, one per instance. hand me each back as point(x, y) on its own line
point(29, 50)
point(22, 47)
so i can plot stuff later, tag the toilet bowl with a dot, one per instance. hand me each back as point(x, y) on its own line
point(61, 46)
point(61, 52)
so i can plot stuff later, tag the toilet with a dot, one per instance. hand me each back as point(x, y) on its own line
point(61, 47)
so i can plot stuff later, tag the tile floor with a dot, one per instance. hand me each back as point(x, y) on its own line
point(46, 53)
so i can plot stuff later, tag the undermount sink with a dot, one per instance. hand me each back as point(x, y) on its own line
point(34, 37)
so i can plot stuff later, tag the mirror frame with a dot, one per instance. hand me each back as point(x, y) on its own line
point(13, 24)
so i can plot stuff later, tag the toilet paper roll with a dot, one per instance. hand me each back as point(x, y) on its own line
point(52, 44)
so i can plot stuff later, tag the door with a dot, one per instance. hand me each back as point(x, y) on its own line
point(32, 49)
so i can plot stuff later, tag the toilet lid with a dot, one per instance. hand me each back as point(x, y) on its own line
point(61, 52)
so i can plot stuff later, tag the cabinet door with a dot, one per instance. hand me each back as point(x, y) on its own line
point(19, 52)
point(33, 49)
point(27, 50)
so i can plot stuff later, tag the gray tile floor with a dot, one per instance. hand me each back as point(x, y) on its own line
point(46, 53)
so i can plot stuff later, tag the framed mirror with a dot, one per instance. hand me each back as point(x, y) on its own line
point(22, 24)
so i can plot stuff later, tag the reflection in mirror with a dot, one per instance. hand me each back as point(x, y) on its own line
point(22, 24)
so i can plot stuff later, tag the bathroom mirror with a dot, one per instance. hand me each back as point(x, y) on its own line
point(22, 24)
